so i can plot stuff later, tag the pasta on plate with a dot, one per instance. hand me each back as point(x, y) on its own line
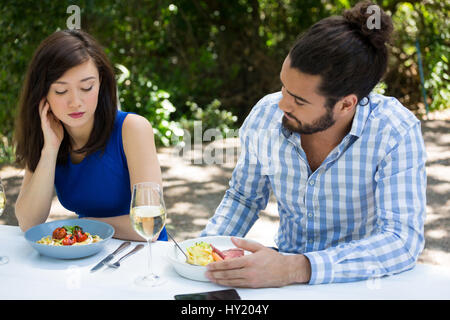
point(203, 253)
point(69, 236)
point(200, 254)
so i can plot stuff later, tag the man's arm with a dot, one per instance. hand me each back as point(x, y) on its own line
point(400, 193)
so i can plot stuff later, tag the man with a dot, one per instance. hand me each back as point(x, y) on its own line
point(347, 167)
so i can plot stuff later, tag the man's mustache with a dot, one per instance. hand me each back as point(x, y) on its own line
point(293, 117)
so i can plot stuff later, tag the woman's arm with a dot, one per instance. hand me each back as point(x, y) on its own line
point(35, 197)
point(140, 150)
point(143, 165)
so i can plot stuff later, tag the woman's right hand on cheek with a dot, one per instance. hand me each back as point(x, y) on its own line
point(51, 127)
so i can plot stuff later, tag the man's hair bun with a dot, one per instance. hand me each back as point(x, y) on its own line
point(371, 22)
point(348, 51)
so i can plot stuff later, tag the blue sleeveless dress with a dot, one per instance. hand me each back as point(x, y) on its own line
point(98, 186)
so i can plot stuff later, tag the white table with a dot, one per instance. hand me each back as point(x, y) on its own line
point(28, 275)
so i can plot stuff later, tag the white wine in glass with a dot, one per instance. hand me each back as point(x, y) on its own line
point(148, 217)
point(148, 221)
point(3, 259)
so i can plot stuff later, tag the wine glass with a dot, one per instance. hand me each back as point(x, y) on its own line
point(3, 259)
point(148, 217)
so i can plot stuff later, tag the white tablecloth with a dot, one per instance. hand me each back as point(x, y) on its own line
point(28, 275)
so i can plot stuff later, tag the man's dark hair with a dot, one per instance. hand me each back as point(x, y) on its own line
point(348, 54)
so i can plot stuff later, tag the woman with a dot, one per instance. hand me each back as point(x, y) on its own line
point(70, 134)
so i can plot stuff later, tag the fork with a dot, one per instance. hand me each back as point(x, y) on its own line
point(176, 243)
point(117, 263)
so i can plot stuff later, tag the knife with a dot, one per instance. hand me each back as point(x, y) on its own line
point(110, 256)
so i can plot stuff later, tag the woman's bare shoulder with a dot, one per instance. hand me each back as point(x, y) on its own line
point(135, 122)
point(136, 127)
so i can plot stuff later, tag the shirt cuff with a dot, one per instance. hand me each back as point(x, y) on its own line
point(321, 267)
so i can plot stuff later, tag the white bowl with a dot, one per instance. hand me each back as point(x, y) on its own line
point(193, 272)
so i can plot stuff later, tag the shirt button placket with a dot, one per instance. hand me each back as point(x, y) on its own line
point(310, 215)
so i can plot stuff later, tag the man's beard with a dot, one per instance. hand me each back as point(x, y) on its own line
point(318, 125)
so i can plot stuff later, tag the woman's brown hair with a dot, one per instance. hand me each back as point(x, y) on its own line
point(58, 53)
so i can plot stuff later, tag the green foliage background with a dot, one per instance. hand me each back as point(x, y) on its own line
point(180, 61)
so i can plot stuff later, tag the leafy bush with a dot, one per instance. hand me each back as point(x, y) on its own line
point(211, 117)
point(425, 22)
point(138, 94)
point(170, 54)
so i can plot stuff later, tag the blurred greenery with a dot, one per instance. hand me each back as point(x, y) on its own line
point(211, 60)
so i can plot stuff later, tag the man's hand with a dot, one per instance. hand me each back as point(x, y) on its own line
point(263, 268)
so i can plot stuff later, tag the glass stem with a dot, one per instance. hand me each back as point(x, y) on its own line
point(150, 270)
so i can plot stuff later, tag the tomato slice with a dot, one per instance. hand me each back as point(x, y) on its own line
point(81, 236)
point(69, 240)
point(59, 233)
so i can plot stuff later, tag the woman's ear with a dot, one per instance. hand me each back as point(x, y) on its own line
point(48, 101)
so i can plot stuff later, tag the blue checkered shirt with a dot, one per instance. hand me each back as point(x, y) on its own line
point(360, 215)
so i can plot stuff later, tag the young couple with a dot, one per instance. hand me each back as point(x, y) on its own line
point(346, 165)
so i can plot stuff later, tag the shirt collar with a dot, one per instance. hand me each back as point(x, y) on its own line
point(361, 115)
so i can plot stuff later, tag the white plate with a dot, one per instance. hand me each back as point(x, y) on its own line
point(178, 260)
